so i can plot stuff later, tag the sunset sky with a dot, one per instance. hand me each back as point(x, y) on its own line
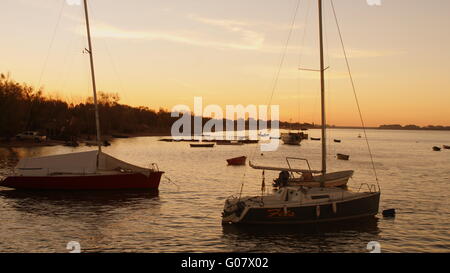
point(161, 53)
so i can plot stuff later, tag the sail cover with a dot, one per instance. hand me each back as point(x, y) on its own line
point(74, 163)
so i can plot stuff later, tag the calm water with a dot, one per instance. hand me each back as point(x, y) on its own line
point(185, 216)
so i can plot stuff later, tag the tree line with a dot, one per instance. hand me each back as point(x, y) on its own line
point(24, 108)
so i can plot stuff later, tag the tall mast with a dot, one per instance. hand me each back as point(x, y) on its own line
point(94, 87)
point(322, 84)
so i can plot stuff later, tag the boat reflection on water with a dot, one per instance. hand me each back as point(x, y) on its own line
point(369, 225)
point(341, 237)
point(84, 202)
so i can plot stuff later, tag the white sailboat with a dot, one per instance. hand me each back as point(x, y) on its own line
point(319, 202)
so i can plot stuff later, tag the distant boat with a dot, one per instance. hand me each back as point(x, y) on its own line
point(343, 157)
point(202, 145)
point(95, 143)
point(248, 141)
point(337, 141)
point(120, 136)
point(315, 138)
point(166, 140)
point(446, 147)
point(292, 138)
point(436, 149)
point(237, 161)
point(228, 142)
point(359, 136)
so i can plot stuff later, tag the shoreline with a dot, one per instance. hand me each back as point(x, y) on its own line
point(51, 142)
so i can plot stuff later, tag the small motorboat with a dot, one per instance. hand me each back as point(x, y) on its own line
point(90, 143)
point(315, 139)
point(436, 149)
point(446, 147)
point(337, 140)
point(292, 138)
point(237, 161)
point(166, 140)
point(120, 136)
point(343, 157)
point(248, 141)
point(202, 145)
point(228, 142)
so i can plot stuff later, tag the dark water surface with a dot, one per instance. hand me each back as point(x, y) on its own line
point(185, 216)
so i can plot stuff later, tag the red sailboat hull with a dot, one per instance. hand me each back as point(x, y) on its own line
point(85, 182)
point(238, 161)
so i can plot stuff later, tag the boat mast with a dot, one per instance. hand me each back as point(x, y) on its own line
point(94, 87)
point(322, 84)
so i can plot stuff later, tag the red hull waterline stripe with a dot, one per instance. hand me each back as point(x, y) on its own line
point(94, 182)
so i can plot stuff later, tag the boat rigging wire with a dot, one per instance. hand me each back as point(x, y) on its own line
point(283, 55)
point(354, 93)
point(41, 75)
point(300, 58)
point(277, 76)
point(51, 42)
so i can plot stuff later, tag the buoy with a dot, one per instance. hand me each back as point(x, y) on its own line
point(389, 213)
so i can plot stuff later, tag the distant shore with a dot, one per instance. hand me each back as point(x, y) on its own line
point(13, 143)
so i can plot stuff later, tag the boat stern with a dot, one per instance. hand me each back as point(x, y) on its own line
point(233, 211)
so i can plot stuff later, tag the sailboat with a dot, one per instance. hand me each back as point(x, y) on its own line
point(304, 205)
point(92, 170)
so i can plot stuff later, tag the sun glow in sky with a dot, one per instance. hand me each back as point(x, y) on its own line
point(161, 53)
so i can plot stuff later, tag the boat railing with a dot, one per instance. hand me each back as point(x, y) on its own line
point(297, 158)
point(154, 167)
point(370, 187)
